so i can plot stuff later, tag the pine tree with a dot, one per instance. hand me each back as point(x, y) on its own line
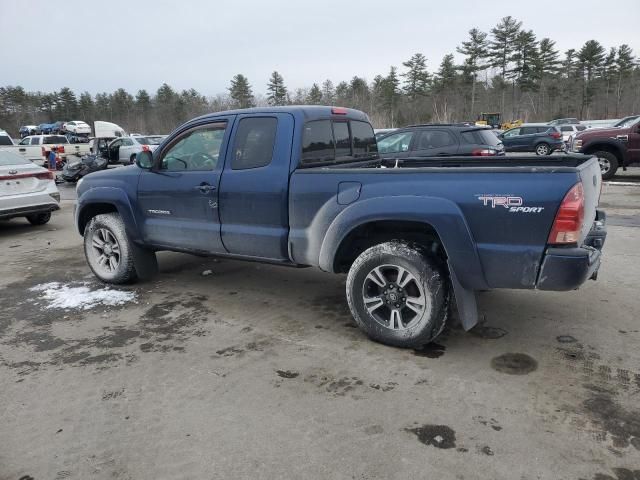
point(240, 91)
point(446, 75)
point(277, 91)
point(417, 77)
point(624, 66)
point(525, 58)
point(547, 65)
point(67, 105)
point(590, 59)
point(391, 93)
point(86, 107)
point(328, 92)
point(315, 95)
point(501, 45)
point(475, 51)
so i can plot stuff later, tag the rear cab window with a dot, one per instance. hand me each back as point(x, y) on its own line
point(254, 142)
point(54, 139)
point(480, 137)
point(334, 141)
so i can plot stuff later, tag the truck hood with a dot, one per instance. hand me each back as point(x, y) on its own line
point(602, 132)
point(107, 129)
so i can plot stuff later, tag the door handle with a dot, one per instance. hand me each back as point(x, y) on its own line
point(205, 188)
point(22, 149)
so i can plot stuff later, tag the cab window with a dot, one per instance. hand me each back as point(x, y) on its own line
point(254, 143)
point(512, 133)
point(195, 150)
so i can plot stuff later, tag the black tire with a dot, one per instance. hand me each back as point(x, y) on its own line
point(428, 274)
point(608, 163)
point(132, 159)
point(109, 228)
point(542, 149)
point(39, 218)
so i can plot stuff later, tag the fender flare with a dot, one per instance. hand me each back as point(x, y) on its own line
point(447, 220)
point(113, 196)
point(611, 142)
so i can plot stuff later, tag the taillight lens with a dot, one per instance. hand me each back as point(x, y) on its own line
point(145, 148)
point(555, 135)
point(60, 149)
point(339, 111)
point(568, 222)
point(484, 152)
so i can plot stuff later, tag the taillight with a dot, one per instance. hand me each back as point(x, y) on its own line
point(556, 135)
point(60, 149)
point(568, 222)
point(484, 152)
point(339, 111)
point(44, 152)
point(145, 148)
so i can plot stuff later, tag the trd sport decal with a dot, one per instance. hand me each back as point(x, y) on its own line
point(512, 203)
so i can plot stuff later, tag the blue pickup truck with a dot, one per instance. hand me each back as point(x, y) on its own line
point(304, 186)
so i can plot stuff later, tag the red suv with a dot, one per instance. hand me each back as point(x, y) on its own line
point(618, 146)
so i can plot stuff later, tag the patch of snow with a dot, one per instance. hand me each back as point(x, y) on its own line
point(206, 273)
point(80, 296)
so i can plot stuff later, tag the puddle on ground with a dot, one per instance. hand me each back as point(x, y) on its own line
point(439, 436)
point(430, 350)
point(514, 364)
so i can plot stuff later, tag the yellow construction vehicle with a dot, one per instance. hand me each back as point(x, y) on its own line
point(489, 119)
point(511, 124)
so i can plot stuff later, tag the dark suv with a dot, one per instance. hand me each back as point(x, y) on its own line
point(540, 138)
point(439, 140)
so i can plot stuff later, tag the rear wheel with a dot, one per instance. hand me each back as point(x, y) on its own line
point(107, 249)
point(39, 218)
point(608, 163)
point(543, 149)
point(398, 295)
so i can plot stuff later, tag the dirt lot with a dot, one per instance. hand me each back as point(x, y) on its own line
point(254, 371)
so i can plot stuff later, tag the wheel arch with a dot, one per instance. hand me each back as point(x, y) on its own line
point(97, 201)
point(438, 220)
point(611, 146)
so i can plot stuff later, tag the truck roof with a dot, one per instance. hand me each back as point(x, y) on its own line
point(304, 112)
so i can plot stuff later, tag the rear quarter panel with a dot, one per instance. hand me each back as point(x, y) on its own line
point(508, 244)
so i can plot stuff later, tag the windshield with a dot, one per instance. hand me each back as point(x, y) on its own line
point(627, 122)
point(8, 158)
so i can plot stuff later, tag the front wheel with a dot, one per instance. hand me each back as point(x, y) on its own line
point(543, 149)
point(107, 249)
point(398, 295)
point(608, 164)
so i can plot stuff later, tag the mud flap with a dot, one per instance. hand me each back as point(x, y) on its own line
point(465, 302)
point(144, 261)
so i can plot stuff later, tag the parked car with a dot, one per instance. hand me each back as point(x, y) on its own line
point(564, 121)
point(44, 128)
point(626, 121)
point(26, 130)
point(58, 127)
point(569, 130)
point(77, 127)
point(35, 148)
point(27, 190)
point(540, 138)
point(125, 149)
point(304, 186)
point(5, 140)
point(439, 140)
point(614, 147)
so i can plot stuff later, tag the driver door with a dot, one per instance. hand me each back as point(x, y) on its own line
point(178, 198)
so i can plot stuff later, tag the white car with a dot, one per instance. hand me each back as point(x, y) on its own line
point(569, 130)
point(26, 190)
point(125, 149)
point(35, 148)
point(77, 127)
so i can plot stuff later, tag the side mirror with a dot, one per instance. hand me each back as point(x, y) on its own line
point(144, 160)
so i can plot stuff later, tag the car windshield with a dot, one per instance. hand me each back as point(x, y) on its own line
point(8, 158)
point(627, 122)
point(50, 140)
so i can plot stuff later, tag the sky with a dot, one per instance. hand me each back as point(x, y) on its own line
point(139, 44)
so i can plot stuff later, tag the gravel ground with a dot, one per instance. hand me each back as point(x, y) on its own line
point(223, 369)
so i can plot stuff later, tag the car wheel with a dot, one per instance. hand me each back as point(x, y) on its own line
point(608, 163)
point(132, 160)
point(542, 149)
point(398, 295)
point(39, 218)
point(107, 249)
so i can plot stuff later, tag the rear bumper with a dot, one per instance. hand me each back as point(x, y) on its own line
point(30, 210)
point(568, 268)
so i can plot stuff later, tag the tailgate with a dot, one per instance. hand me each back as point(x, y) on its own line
point(591, 178)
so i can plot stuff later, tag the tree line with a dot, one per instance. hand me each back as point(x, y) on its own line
point(507, 70)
